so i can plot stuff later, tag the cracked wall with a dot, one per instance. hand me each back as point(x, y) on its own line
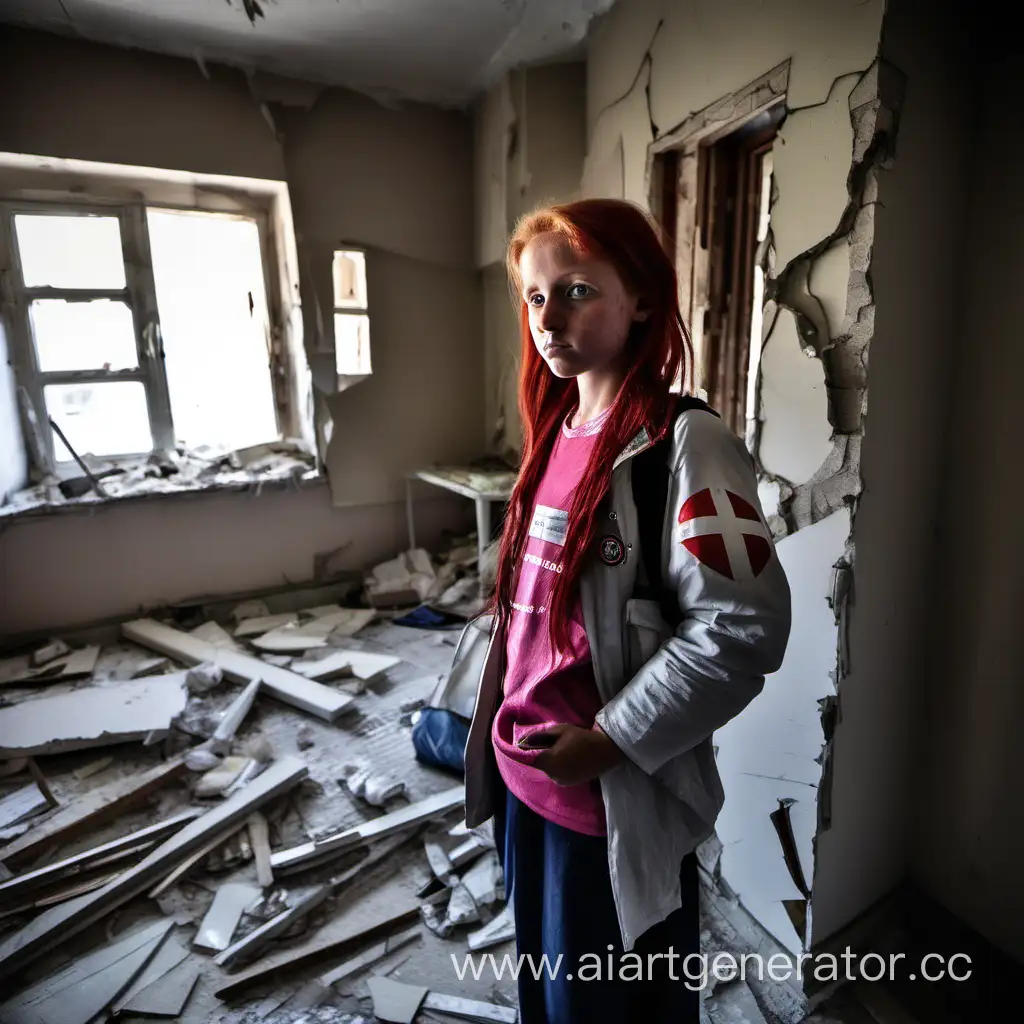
point(656, 69)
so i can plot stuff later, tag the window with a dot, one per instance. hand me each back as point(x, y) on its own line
point(714, 203)
point(351, 319)
point(139, 327)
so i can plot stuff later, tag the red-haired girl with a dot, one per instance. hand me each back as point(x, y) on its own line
point(611, 663)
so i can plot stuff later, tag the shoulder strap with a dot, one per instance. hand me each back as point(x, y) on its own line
point(650, 477)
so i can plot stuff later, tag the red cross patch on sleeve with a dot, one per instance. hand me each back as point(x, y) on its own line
point(725, 533)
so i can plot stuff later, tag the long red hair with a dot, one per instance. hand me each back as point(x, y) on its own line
point(658, 352)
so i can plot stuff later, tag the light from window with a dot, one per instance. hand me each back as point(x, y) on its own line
point(70, 251)
point(92, 335)
point(212, 300)
point(101, 418)
point(351, 318)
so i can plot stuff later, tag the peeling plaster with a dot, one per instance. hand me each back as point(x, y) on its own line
point(829, 283)
point(811, 164)
point(795, 432)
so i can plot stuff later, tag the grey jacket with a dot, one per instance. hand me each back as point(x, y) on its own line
point(664, 691)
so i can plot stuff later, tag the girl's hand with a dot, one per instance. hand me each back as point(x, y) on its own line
point(570, 755)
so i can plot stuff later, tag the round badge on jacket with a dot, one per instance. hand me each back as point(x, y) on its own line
point(613, 551)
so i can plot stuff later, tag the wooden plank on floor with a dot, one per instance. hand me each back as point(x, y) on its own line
point(319, 949)
point(43, 877)
point(89, 811)
point(286, 686)
point(369, 831)
point(56, 925)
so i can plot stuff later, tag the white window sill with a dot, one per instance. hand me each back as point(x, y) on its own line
point(134, 484)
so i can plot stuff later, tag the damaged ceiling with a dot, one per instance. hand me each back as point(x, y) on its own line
point(434, 51)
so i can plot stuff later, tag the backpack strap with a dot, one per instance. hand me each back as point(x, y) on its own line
point(650, 479)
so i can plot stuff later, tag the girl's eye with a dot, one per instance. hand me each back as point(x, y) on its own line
point(579, 291)
point(536, 299)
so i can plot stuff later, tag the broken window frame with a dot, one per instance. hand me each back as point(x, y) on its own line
point(363, 310)
point(673, 186)
point(139, 294)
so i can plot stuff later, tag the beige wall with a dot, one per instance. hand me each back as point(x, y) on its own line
point(702, 53)
point(399, 182)
point(529, 143)
point(970, 845)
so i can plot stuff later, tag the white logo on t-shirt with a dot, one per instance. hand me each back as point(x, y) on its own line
point(550, 524)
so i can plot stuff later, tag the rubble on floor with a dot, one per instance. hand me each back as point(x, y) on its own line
point(250, 840)
point(166, 472)
point(256, 839)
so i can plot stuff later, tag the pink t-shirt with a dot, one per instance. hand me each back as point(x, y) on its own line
point(545, 686)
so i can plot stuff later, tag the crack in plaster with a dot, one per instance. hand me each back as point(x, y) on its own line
point(875, 102)
point(646, 61)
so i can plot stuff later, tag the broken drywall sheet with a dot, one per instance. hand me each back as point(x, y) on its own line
point(92, 716)
point(81, 991)
point(811, 163)
point(768, 753)
point(795, 433)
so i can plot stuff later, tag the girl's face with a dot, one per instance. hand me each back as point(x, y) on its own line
point(580, 310)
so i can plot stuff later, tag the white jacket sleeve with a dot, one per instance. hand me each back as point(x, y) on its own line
point(733, 594)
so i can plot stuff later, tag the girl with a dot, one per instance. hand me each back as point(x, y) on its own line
point(591, 736)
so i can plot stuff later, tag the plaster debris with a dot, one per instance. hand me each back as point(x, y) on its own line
point(47, 653)
point(80, 992)
point(92, 716)
point(394, 1001)
point(221, 920)
point(23, 803)
point(376, 789)
point(204, 678)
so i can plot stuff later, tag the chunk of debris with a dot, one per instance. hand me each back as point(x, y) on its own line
point(60, 923)
point(204, 677)
point(375, 789)
point(370, 831)
point(75, 665)
point(340, 663)
point(395, 1001)
point(23, 804)
point(151, 667)
point(259, 837)
point(264, 623)
point(500, 928)
point(167, 957)
point(249, 610)
point(215, 781)
point(92, 716)
point(471, 1009)
point(304, 737)
point(251, 944)
point(221, 920)
point(318, 990)
point(214, 634)
point(167, 996)
point(286, 686)
point(87, 771)
point(296, 636)
point(48, 652)
point(91, 810)
point(84, 989)
point(202, 758)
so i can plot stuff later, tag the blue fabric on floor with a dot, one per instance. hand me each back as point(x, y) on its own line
point(439, 738)
point(426, 617)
